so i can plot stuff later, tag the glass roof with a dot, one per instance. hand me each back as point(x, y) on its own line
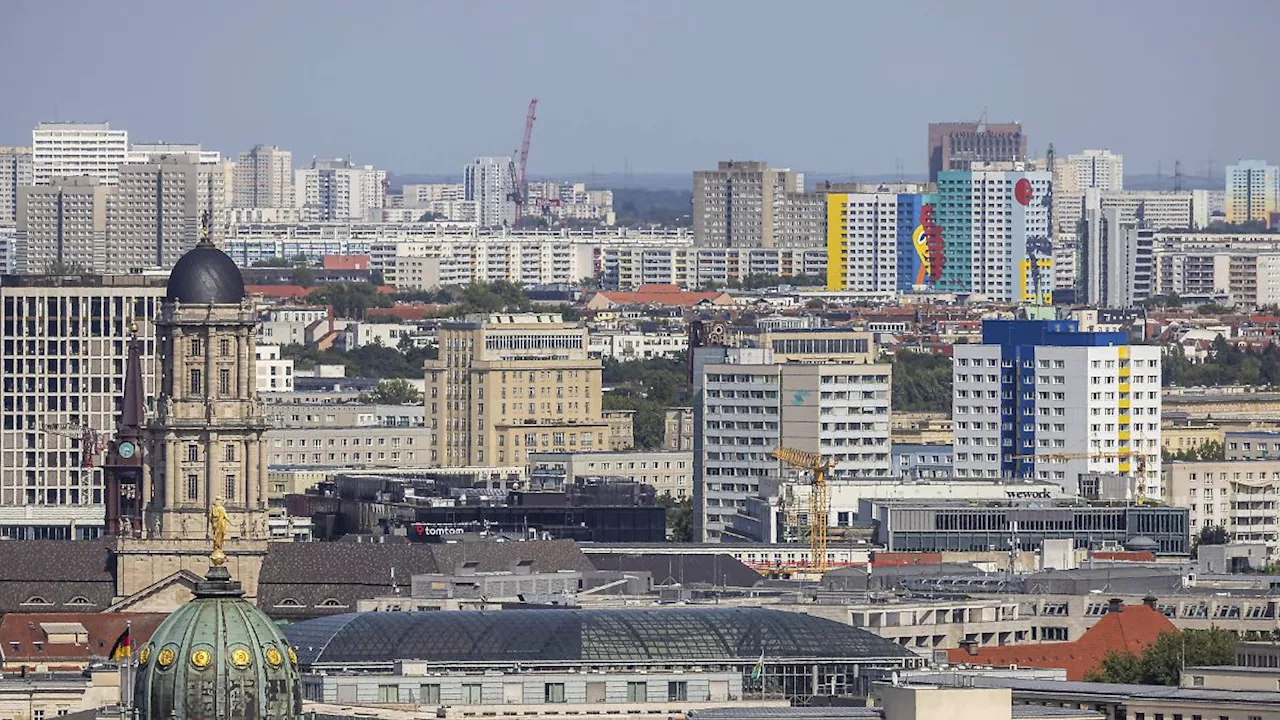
point(581, 636)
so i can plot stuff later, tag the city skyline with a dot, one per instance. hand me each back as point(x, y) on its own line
point(343, 79)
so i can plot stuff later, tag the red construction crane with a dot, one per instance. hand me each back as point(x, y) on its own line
point(518, 192)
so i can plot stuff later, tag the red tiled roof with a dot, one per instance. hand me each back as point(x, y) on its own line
point(297, 292)
point(345, 262)
point(103, 629)
point(660, 295)
point(1129, 631)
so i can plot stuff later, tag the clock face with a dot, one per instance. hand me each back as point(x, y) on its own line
point(126, 450)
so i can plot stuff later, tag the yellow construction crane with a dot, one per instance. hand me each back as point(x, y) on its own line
point(819, 503)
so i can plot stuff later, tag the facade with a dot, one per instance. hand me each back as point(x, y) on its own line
point(995, 234)
point(677, 432)
point(1040, 399)
point(348, 445)
point(64, 150)
point(274, 374)
point(1251, 444)
point(15, 172)
point(150, 152)
point(1116, 259)
point(156, 211)
point(62, 226)
point(421, 195)
point(1237, 275)
point(741, 204)
point(957, 146)
point(922, 461)
point(1160, 210)
point(337, 190)
point(264, 178)
point(1242, 496)
point(876, 242)
point(1253, 192)
point(490, 183)
point(507, 384)
point(1102, 170)
point(670, 473)
point(63, 353)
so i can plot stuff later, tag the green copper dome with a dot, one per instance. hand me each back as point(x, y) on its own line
point(218, 658)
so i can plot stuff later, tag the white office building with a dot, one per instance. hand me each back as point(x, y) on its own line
point(337, 190)
point(15, 173)
point(1102, 170)
point(420, 194)
point(74, 149)
point(490, 182)
point(264, 178)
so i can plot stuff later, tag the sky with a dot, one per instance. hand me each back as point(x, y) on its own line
point(662, 86)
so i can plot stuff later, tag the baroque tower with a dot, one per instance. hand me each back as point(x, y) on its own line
point(206, 440)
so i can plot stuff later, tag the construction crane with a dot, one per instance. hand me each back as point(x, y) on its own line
point(819, 503)
point(1123, 455)
point(92, 442)
point(518, 170)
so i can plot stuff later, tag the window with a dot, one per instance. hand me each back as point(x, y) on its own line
point(429, 695)
point(224, 347)
point(195, 347)
point(471, 694)
point(388, 693)
point(637, 692)
point(230, 487)
point(224, 381)
point(193, 453)
point(193, 382)
point(229, 453)
point(677, 690)
point(193, 486)
point(553, 692)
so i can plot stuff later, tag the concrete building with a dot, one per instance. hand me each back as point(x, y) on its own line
point(421, 195)
point(1116, 265)
point(15, 172)
point(922, 461)
point(62, 226)
point(1251, 444)
point(741, 204)
point(1237, 275)
point(1252, 192)
point(156, 212)
point(264, 178)
point(678, 429)
point(150, 152)
point(670, 473)
point(337, 190)
point(1102, 170)
point(957, 146)
point(63, 346)
point(274, 374)
point(873, 244)
point(490, 183)
point(63, 150)
point(996, 233)
point(1242, 496)
point(626, 346)
point(507, 384)
point(348, 446)
point(1160, 210)
point(1040, 399)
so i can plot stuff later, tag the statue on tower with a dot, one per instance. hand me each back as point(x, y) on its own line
point(219, 522)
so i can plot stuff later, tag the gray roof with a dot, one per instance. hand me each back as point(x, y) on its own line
point(1107, 690)
point(205, 274)
point(57, 571)
point(684, 569)
point(850, 712)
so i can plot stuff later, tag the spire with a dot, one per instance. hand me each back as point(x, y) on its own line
point(132, 413)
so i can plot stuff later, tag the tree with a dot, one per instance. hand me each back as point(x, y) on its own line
point(921, 382)
point(349, 300)
point(679, 517)
point(1210, 535)
point(1117, 667)
point(1162, 661)
point(304, 276)
point(648, 424)
point(397, 391)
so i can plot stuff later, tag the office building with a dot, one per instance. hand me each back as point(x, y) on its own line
point(506, 385)
point(1253, 192)
point(1102, 170)
point(156, 211)
point(62, 226)
point(814, 390)
point(1040, 399)
point(957, 146)
point(15, 173)
point(877, 242)
point(337, 190)
point(1116, 258)
point(995, 233)
point(264, 178)
point(1241, 496)
point(75, 149)
point(65, 342)
point(741, 205)
point(490, 183)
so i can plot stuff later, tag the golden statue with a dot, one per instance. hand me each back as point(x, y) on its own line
point(218, 523)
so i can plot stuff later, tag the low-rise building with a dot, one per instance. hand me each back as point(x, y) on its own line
point(349, 447)
point(921, 460)
point(670, 473)
point(1242, 496)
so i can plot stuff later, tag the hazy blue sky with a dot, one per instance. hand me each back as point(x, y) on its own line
point(667, 86)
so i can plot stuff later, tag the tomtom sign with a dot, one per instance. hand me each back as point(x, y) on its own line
point(459, 528)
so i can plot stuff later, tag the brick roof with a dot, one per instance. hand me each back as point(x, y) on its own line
point(1131, 630)
point(345, 262)
point(24, 639)
point(657, 294)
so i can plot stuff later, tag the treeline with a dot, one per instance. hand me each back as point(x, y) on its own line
point(368, 361)
point(1228, 365)
point(648, 387)
point(921, 382)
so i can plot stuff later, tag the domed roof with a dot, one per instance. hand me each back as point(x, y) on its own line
point(218, 656)
point(205, 275)
point(1142, 543)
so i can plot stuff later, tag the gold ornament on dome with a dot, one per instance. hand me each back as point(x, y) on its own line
point(293, 656)
point(274, 657)
point(240, 658)
point(145, 656)
point(201, 658)
point(166, 657)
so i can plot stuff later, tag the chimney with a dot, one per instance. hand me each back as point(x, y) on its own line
point(1149, 601)
point(1115, 605)
point(969, 646)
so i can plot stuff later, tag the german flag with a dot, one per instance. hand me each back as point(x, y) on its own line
point(123, 646)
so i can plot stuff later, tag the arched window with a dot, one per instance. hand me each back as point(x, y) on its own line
point(332, 602)
point(288, 602)
point(36, 600)
point(79, 600)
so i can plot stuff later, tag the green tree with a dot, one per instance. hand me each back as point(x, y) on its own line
point(679, 517)
point(396, 391)
point(921, 382)
point(304, 276)
point(1117, 667)
point(1210, 535)
point(370, 361)
point(1161, 662)
point(349, 300)
point(649, 423)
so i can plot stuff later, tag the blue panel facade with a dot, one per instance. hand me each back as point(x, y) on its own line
point(908, 259)
point(955, 217)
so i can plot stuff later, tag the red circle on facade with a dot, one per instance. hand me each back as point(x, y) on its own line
point(1022, 191)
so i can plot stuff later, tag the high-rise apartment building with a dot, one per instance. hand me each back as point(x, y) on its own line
point(744, 204)
point(957, 146)
point(1161, 210)
point(490, 182)
point(1115, 266)
point(74, 149)
point(156, 211)
point(1253, 191)
point(149, 152)
point(63, 346)
point(506, 385)
point(62, 226)
point(815, 390)
point(264, 178)
point(994, 222)
point(877, 242)
point(1102, 170)
point(15, 173)
point(1040, 399)
point(419, 195)
point(337, 191)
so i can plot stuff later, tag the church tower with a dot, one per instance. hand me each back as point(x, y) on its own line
point(205, 442)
